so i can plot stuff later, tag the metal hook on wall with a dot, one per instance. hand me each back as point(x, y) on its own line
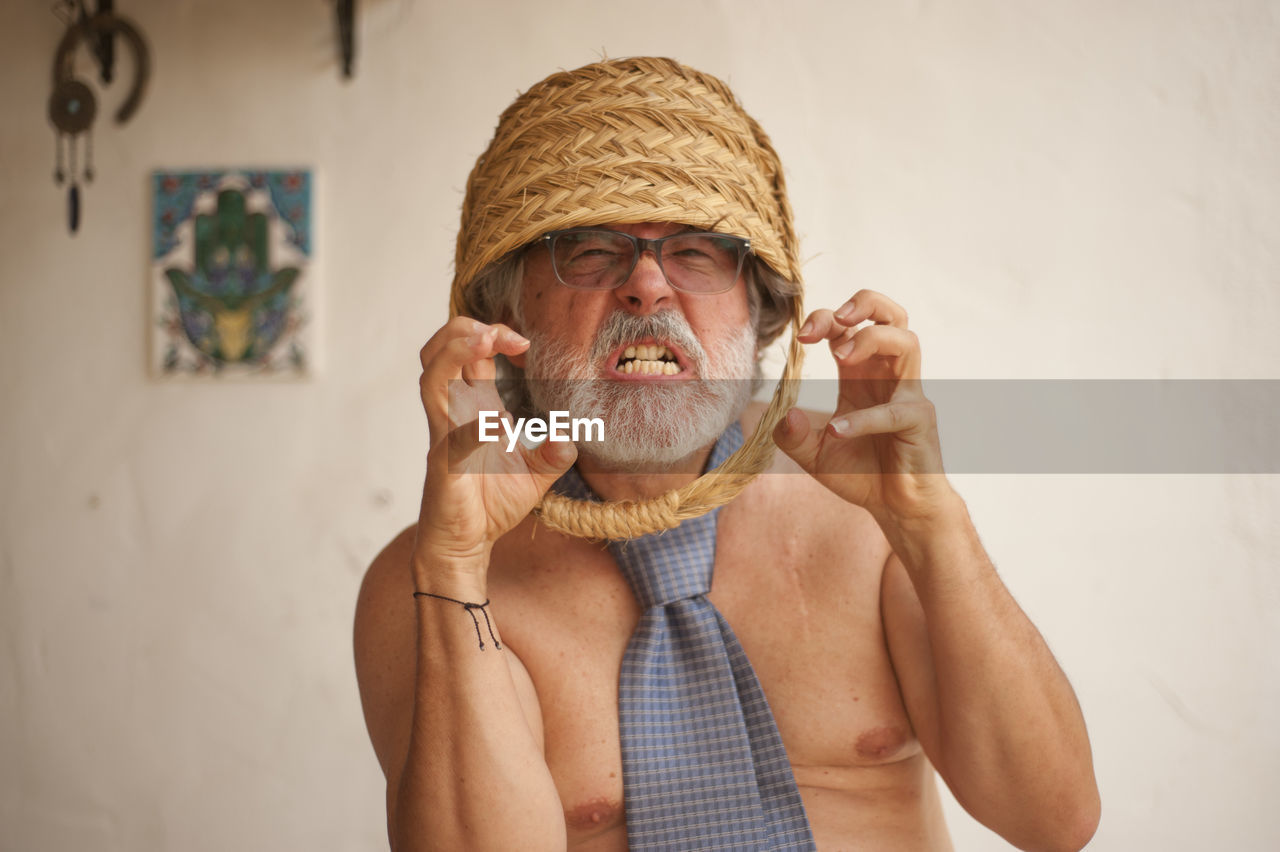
point(72, 106)
point(346, 10)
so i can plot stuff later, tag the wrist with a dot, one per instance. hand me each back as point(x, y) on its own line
point(929, 507)
point(942, 521)
point(942, 554)
point(448, 570)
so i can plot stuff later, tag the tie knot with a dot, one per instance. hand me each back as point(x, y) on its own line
point(672, 565)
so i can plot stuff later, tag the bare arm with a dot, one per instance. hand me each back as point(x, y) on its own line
point(456, 727)
point(990, 705)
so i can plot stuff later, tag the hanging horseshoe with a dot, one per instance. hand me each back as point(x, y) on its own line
point(99, 26)
point(72, 106)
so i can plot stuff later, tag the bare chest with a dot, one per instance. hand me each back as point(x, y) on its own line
point(806, 611)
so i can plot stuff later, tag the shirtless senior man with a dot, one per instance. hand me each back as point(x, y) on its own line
point(886, 644)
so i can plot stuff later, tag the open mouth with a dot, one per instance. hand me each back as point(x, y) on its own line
point(649, 359)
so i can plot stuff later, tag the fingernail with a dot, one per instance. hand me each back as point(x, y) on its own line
point(529, 443)
point(840, 426)
point(846, 311)
point(843, 352)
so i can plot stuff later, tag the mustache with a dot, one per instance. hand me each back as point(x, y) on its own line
point(665, 326)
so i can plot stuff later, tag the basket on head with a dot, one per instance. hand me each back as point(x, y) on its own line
point(621, 142)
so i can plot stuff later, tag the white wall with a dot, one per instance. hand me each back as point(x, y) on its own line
point(1082, 189)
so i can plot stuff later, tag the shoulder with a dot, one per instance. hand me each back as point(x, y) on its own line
point(387, 580)
point(384, 644)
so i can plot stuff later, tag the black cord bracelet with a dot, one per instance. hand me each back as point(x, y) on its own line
point(471, 610)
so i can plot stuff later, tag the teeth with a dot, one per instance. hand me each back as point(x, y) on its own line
point(648, 367)
point(649, 359)
point(649, 352)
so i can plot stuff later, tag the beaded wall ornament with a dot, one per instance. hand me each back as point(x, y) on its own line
point(72, 105)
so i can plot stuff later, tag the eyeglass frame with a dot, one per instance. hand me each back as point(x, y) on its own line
point(640, 245)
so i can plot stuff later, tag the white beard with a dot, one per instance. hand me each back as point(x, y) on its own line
point(648, 426)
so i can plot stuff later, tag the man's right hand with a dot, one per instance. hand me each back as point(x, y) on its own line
point(475, 491)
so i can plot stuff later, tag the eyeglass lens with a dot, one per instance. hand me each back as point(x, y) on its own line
point(602, 260)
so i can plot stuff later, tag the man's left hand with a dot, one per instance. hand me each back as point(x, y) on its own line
point(880, 449)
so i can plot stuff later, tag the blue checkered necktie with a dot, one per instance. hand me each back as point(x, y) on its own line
point(703, 766)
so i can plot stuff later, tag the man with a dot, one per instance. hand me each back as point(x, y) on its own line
point(626, 242)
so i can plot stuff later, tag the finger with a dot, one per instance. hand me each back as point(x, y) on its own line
point(458, 326)
point(478, 372)
point(908, 418)
point(456, 346)
point(462, 332)
point(468, 399)
point(866, 305)
point(820, 325)
point(464, 344)
point(870, 305)
point(545, 459)
point(461, 442)
point(442, 373)
point(899, 346)
point(548, 459)
point(794, 437)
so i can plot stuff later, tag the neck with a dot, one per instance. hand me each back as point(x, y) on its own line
point(612, 484)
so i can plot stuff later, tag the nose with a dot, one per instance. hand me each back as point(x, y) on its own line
point(646, 291)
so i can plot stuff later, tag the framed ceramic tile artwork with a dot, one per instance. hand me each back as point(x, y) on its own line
point(232, 274)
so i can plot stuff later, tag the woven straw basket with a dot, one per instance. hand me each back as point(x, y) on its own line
point(628, 141)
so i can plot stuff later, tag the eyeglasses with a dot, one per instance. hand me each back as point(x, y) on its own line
point(599, 259)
